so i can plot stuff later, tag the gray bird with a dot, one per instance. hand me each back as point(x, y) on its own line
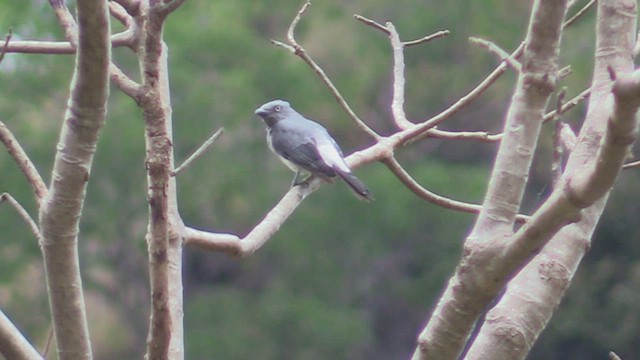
point(305, 145)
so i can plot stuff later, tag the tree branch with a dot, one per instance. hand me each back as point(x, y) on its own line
point(417, 131)
point(125, 38)
point(503, 55)
point(24, 215)
point(296, 49)
point(397, 103)
point(6, 44)
point(61, 209)
point(165, 227)
point(196, 154)
point(481, 273)
point(13, 344)
point(431, 197)
point(546, 278)
point(24, 163)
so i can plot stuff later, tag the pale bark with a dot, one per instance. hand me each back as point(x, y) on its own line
point(62, 206)
point(13, 345)
point(483, 270)
point(515, 323)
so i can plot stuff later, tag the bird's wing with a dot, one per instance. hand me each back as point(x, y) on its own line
point(301, 151)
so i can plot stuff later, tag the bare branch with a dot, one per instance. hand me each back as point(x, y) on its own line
point(66, 20)
point(503, 55)
point(296, 49)
point(556, 164)
point(204, 240)
point(546, 277)
point(24, 163)
point(124, 82)
point(6, 44)
point(631, 165)
point(13, 344)
point(196, 154)
point(482, 273)
point(372, 23)
point(429, 196)
point(397, 104)
point(579, 14)
point(125, 38)
point(22, 212)
point(568, 105)
point(41, 47)
point(436, 35)
point(132, 6)
point(613, 356)
point(61, 209)
point(415, 133)
point(464, 135)
point(119, 12)
point(622, 131)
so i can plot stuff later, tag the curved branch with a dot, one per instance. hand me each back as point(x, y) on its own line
point(298, 50)
point(24, 215)
point(24, 163)
point(431, 197)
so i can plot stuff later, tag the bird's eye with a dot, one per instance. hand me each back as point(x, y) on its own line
point(278, 108)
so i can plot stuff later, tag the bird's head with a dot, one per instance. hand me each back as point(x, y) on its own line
point(274, 111)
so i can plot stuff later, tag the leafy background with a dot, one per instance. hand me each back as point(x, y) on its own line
point(342, 279)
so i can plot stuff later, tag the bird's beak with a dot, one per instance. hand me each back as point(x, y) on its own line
point(261, 112)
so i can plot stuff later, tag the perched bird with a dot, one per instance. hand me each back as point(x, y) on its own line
point(305, 145)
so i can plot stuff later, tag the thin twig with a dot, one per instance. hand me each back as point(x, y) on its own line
point(371, 23)
point(568, 105)
point(47, 345)
point(431, 197)
point(196, 154)
point(6, 44)
point(296, 49)
point(503, 55)
point(24, 215)
point(436, 35)
point(631, 165)
point(24, 162)
point(579, 14)
point(464, 135)
point(124, 82)
point(397, 104)
point(556, 164)
point(564, 72)
point(418, 131)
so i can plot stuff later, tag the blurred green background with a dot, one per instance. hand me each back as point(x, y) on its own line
point(342, 279)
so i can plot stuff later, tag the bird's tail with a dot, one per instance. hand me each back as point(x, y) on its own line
point(358, 187)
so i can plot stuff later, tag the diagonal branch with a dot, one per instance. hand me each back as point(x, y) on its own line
point(196, 154)
point(24, 163)
point(13, 344)
point(6, 44)
point(24, 215)
point(481, 273)
point(431, 197)
point(296, 49)
point(545, 279)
